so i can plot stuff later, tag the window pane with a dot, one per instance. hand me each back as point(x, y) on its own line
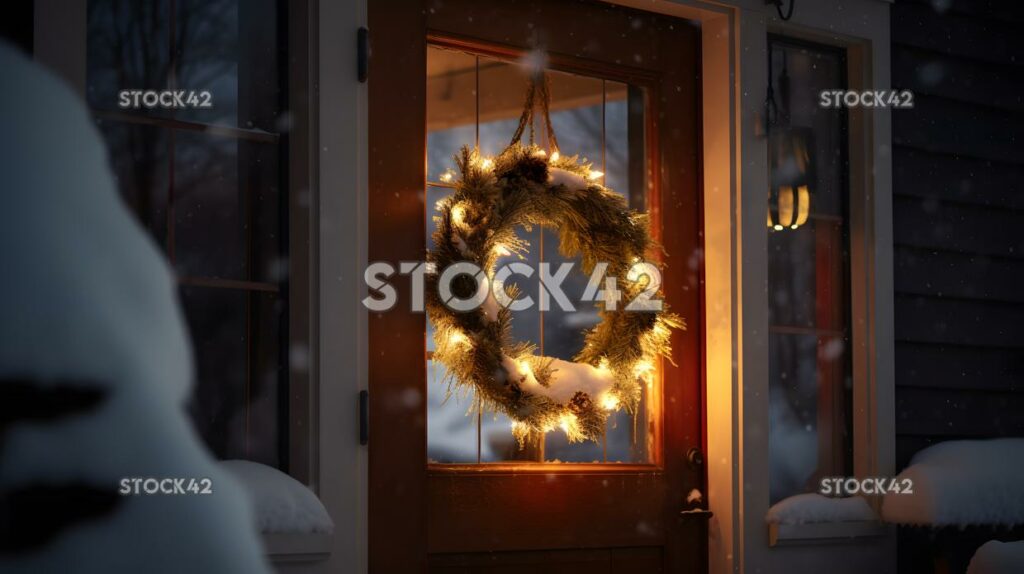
point(587, 113)
point(217, 324)
point(230, 49)
point(226, 208)
point(128, 48)
point(209, 208)
point(138, 159)
point(808, 277)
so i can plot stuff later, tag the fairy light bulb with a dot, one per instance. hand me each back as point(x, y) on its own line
point(459, 215)
point(458, 338)
point(487, 164)
point(594, 175)
point(447, 176)
point(609, 402)
point(555, 155)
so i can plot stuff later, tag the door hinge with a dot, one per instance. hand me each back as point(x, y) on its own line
point(362, 54)
point(364, 417)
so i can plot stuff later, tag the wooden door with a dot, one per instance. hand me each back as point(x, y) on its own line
point(513, 515)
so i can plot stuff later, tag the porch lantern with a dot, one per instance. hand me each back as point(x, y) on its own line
point(789, 194)
point(789, 157)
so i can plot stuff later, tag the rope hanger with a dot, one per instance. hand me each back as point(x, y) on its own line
point(538, 82)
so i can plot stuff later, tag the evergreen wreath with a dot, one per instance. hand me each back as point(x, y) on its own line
point(522, 187)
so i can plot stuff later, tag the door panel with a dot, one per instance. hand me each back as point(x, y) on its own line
point(508, 516)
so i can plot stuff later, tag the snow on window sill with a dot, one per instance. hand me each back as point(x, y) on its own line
point(299, 547)
point(825, 532)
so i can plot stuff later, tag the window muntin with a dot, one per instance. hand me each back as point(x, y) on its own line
point(810, 350)
point(474, 99)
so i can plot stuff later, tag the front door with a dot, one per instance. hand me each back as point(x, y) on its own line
point(451, 489)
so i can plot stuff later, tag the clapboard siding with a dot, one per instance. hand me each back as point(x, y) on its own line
point(931, 223)
point(939, 74)
point(941, 412)
point(959, 367)
point(958, 275)
point(958, 221)
point(942, 125)
point(953, 178)
point(992, 10)
point(939, 320)
point(956, 33)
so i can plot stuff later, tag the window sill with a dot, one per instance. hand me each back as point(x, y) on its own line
point(280, 547)
point(824, 532)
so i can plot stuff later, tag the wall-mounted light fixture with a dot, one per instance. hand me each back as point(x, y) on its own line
point(789, 158)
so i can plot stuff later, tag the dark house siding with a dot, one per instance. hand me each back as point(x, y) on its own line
point(958, 217)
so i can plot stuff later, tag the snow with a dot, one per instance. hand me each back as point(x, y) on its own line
point(280, 503)
point(88, 300)
point(996, 557)
point(962, 483)
point(571, 180)
point(813, 508)
point(566, 379)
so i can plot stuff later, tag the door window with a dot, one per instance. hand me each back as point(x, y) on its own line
point(477, 100)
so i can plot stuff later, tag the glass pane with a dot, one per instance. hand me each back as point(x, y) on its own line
point(808, 280)
point(451, 113)
point(602, 122)
point(138, 159)
point(128, 48)
point(209, 209)
point(217, 325)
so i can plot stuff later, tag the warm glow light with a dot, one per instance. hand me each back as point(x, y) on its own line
point(785, 206)
point(803, 206)
point(595, 175)
point(568, 423)
point(643, 370)
point(609, 402)
point(555, 155)
point(458, 338)
point(603, 365)
point(501, 250)
point(487, 164)
point(540, 153)
point(447, 176)
point(458, 214)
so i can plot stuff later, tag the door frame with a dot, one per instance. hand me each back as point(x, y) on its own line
point(735, 173)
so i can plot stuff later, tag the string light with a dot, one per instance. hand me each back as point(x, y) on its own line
point(459, 214)
point(555, 155)
point(594, 174)
point(501, 250)
point(447, 176)
point(609, 402)
point(540, 153)
point(458, 338)
point(644, 370)
point(568, 423)
point(487, 164)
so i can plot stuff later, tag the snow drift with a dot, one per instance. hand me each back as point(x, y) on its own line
point(962, 483)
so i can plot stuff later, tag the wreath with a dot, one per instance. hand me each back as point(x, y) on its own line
point(522, 187)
